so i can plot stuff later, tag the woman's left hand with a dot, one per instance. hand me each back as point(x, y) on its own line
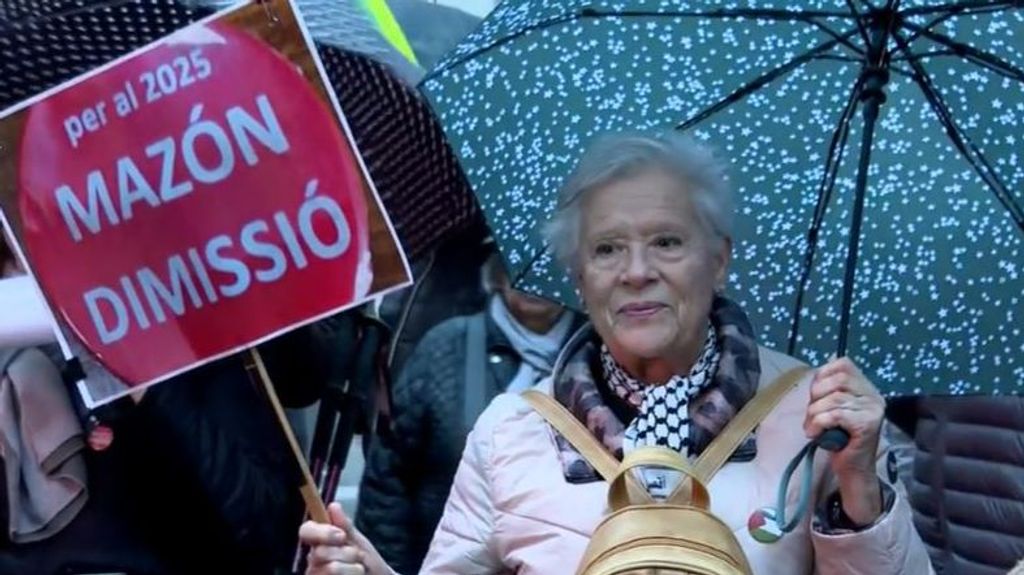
point(842, 397)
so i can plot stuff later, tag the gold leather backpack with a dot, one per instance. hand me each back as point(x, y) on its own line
point(677, 536)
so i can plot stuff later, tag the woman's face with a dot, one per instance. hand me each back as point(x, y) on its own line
point(648, 268)
point(529, 309)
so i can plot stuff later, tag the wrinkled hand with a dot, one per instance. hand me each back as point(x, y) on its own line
point(339, 548)
point(842, 397)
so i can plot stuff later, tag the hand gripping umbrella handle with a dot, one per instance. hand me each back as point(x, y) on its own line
point(834, 439)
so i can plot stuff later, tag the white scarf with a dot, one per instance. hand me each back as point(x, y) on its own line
point(537, 351)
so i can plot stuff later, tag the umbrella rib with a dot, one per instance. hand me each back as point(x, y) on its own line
point(845, 41)
point(922, 55)
point(755, 13)
point(961, 7)
point(561, 19)
point(838, 58)
point(954, 13)
point(522, 273)
point(832, 163)
point(761, 81)
point(809, 16)
point(938, 53)
point(860, 22)
point(970, 53)
point(967, 148)
point(933, 23)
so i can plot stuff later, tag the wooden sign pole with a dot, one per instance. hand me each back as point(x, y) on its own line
point(310, 494)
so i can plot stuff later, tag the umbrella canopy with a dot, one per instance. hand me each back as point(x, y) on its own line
point(418, 177)
point(46, 42)
point(428, 29)
point(933, 288)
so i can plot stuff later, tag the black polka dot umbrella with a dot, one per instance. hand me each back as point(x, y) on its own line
point(876, 147)
point(46, 42)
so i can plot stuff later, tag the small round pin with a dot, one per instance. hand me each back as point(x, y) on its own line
point(763, 525)
point(100, 438)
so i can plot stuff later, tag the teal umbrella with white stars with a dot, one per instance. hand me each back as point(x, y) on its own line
point(898, 240)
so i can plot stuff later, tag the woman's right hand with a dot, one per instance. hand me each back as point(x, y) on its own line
point(339, 548)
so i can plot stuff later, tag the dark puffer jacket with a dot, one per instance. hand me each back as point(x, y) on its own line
point(410, 471)
point(967, 485)
point(198, 479)
point(448, 284)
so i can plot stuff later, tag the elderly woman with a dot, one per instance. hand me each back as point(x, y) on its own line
point(643, 226)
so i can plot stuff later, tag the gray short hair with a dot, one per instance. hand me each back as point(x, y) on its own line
point(620, 155)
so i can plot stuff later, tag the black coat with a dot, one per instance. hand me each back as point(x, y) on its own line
point(197, 480)
point(447, 285)
point(967, 485)
point(409, 472)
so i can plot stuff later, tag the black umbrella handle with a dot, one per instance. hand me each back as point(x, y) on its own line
point(835, 439)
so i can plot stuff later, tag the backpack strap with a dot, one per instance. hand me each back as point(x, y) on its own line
point(706, 465)
point(697, 494)
point(737, 430)
point(574, 432)
point(475, 385)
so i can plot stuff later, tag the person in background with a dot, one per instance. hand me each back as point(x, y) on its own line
point(458, 367)
point(193, 476)
point(965, 479)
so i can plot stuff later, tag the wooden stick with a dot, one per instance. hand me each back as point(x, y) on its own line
point(310, 494)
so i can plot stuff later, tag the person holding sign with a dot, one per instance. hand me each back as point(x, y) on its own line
point(643, 226)
point(202, 450)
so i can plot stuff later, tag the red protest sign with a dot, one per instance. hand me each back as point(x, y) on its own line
point(195, 198)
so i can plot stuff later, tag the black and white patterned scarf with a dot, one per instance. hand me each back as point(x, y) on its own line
point(579, 385)
point(662, 416)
